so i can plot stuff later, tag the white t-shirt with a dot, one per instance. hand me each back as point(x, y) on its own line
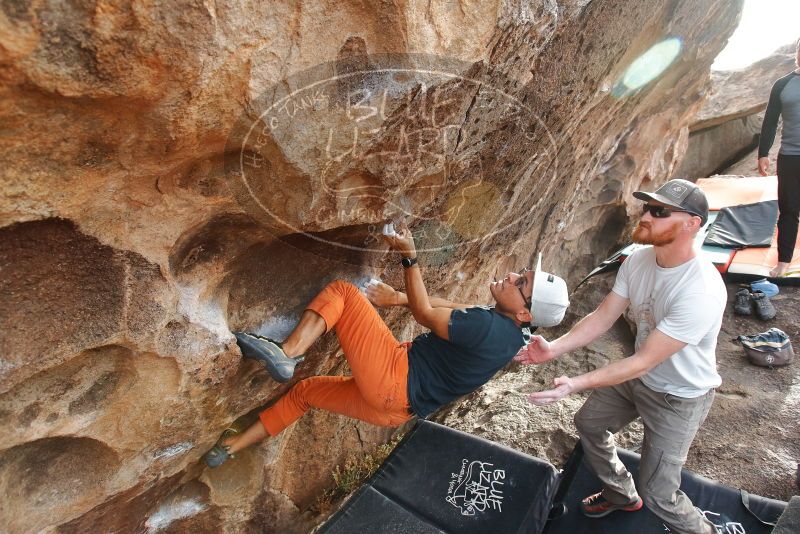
point(684, 302)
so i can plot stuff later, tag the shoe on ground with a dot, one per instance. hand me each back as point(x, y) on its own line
point(269, 352)
point(765, 286)
point(764, 308)
point(219, 453)
point(742, 304)
point(597, 506)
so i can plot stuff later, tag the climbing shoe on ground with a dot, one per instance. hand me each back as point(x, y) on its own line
point(219, 453)
point(597, 506)
point(764, 308)
point(742, 305)
point(269, 352)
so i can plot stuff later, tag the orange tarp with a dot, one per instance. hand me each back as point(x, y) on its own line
point(722, 192)
point(759, 261)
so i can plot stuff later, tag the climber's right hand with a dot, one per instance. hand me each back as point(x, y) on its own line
point(403, 242)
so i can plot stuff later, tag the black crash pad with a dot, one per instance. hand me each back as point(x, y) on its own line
point(744, 226)
point(441, 480)
point(789, 522)
point(721, 504)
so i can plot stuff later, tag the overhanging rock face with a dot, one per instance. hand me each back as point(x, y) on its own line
point(151, 204)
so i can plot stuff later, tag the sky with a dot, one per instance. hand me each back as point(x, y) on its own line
point(765, 26)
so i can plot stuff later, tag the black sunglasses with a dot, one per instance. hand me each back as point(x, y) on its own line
point(520, 283)
point(662, 212)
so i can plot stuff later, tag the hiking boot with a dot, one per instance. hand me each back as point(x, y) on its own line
point(764, 308)
point(742, 305)
point(597, 506)
point(269, 352)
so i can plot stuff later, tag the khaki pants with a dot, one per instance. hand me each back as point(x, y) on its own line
point(670, 424)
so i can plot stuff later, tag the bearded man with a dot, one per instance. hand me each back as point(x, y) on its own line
point(676, 300)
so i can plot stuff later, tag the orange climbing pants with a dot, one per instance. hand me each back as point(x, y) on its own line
point(376, 392)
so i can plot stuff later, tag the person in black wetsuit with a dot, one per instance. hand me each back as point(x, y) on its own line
point(784, 101)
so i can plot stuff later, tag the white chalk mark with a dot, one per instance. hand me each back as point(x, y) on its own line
point(173, 450)
point(172, 511)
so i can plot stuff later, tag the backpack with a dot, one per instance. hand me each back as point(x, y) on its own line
point(772, 348)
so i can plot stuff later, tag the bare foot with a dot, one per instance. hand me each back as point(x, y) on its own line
point(779, 269)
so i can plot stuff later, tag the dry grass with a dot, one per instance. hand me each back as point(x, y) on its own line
point(349, 476)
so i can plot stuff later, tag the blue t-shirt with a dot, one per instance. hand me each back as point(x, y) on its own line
point(482, 342)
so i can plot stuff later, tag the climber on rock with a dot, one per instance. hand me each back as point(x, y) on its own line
point(392, 382)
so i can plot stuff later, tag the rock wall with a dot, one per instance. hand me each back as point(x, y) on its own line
point(715, 148)
point(726, 129)
point(172, 172)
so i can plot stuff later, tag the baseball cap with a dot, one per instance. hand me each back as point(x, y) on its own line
point(679, 194)
point(549, 298)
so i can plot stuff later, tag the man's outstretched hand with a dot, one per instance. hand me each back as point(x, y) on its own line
point(538, 350)
point(383, 295)
point(563, 387)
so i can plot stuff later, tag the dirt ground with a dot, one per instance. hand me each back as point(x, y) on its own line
point(750, 440)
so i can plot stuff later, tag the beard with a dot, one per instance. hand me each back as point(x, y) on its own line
point(644, 235)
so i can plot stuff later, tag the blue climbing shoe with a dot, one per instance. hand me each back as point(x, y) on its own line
point(269, 352)
point(219, 453)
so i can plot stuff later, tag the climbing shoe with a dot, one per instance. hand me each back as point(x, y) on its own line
point(597, 506)
point(764, 308)
point(742, 304)
point(219, 453)
point(269, 352)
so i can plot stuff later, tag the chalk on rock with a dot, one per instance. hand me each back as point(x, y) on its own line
point(388, 230)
